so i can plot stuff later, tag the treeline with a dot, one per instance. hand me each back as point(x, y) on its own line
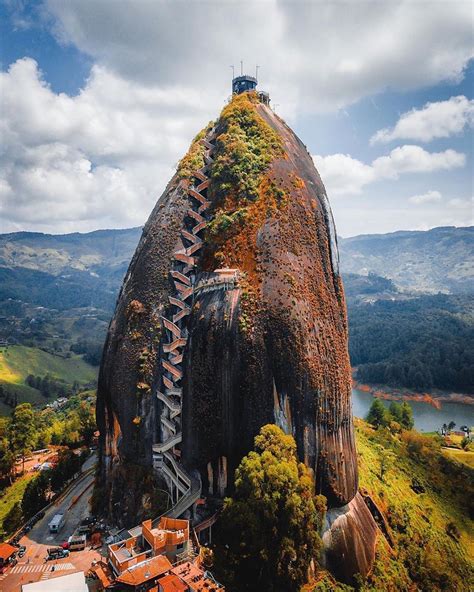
point(8, 398)
point(399, 416)
point(422, 343)
point(357, 285)
point(78, 290)
point(48, 386)
point(91, 350)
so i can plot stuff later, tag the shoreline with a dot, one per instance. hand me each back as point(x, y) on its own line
point(393, 394)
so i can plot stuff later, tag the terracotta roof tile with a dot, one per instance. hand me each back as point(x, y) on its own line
point(172, 583)
point(145, 571)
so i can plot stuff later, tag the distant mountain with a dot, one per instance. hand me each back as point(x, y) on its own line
point(102, 250)
point(437, 260)
point(65, 271)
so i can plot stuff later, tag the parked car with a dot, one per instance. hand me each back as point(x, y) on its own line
point(56, 553)
point(21, 551)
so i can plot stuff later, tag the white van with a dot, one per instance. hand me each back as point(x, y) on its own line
point(56, 523)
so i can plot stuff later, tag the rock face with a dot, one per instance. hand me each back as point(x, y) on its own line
point(268, 347)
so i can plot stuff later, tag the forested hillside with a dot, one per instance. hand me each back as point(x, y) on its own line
point(419, 343)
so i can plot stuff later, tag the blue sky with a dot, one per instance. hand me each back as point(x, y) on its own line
point(100, 100)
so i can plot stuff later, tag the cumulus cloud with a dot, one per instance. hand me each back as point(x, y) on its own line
point(315, 56)
point(344, 175)
point(97, 159)
point(424, 198)
point(161, 71)
point(435, 120)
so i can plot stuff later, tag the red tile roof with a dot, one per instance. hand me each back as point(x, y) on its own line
point(6, 551)
point(145, 571)
point(172, 583)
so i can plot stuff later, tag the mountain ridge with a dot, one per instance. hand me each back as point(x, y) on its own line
point(428, 261)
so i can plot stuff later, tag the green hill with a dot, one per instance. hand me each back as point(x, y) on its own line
point(424, 504)
point(17, 362)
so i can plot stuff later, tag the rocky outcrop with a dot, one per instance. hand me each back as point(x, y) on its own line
point(269, 347)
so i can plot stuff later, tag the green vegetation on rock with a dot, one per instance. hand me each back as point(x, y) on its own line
point(245, 147)
point(193, 160)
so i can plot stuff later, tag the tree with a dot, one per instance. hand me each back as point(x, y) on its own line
point(12, 520)
point(451, 426)
point(407, 420)
point(22, 431)
point(87, 420)
point(268, 531)
point(7, 460)
point(395, 411)
point(68, 464)
point(378, 415)
point(36, 495)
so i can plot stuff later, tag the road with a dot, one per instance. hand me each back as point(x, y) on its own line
point(33, 567)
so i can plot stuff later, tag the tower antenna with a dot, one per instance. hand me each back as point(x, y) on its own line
point(256, 71)
point(241, 67)
point(233, 71)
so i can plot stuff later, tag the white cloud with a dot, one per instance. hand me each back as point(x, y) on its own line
point(161, 72)
point(99, 159)
point(434, 120)
point(424, 198)
point(344, 175)
point(313, 56)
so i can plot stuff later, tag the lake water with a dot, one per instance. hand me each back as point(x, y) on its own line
point(427, 418)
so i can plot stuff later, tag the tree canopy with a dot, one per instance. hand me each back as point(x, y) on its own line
point(397, 414)
point(268, 533)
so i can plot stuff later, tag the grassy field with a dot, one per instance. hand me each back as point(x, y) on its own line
point(418, 522)
point(463, 456)
point(17, 362)
point(13, 494)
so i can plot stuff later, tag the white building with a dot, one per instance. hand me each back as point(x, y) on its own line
point(75, 582)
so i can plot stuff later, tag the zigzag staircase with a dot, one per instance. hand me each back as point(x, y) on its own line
point(185, 489)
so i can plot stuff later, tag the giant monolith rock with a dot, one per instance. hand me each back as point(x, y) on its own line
point(232, 316)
